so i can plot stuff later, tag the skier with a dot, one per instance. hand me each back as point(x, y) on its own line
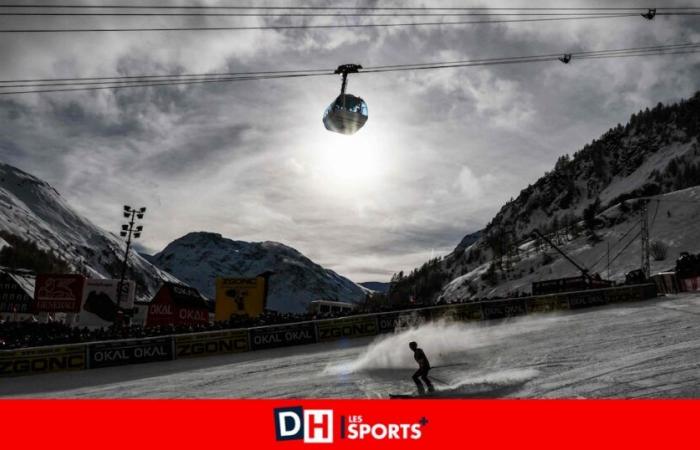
point(423, 368)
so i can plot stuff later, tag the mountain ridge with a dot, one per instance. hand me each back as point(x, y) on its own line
point(656, 153)
point(199, 257)
point(36, 212)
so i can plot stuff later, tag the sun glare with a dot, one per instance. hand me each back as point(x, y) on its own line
point(352, 163)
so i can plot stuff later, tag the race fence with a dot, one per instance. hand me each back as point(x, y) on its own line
point(95, 355)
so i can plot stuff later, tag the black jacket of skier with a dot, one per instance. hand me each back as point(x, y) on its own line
point(423, 369)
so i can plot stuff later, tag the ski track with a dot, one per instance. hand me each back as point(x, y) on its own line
point(639, 350)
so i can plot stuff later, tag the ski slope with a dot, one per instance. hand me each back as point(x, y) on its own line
point(673, 220)
point(644, 349)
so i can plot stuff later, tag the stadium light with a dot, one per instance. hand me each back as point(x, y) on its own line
point(128, 231)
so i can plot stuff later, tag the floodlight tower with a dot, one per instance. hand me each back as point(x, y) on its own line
point(128, 231)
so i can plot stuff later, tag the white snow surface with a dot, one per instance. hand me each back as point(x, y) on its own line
point(679, 232)
point(654, 161)
point(635, 350)
point(199, 258)
point(33, 210)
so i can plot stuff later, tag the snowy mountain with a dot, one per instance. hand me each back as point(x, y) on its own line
point(673, 226)
point(585, 204)
point(468, 240)
point(35, 211)
point(377, 286)
point(656, 152)
point(199, 258)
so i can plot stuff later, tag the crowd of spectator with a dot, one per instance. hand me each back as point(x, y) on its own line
point(31, 333)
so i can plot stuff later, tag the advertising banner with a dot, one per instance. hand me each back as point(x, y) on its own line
point(176, 304)
point(690, 284)
point(283, 335)
point(631, 293)
point(387, 323)
point(211, 343)
point(466, 312)
point(498, 309)
point(99, 307)
point(396, 321)
point(332, 329)
point(239, 296)
point(42, 360)
point(119, 353)
point(541, 304)
point(586, 299)
point(666, 282)
point(58, 293)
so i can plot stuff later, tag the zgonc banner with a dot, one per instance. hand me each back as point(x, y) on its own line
point(99, 308)
point(42, 360)
point(58, 293)
point(239, 296)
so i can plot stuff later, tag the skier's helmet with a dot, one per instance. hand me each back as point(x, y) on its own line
point(413, 345)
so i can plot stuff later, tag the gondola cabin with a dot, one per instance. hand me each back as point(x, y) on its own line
point(348, 113)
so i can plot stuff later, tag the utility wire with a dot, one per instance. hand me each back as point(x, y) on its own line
point(620, 239)
point(273, 14)
point(580, 54)
point(309, 27)
point(166, 83)
point(360, 8)
point(94, 83)
point(653, 219)
point(635, 51)
point(626, 246)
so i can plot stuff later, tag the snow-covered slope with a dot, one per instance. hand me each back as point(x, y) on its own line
point(673, 221)
point(30, 208)
point(656, 154)
point(199, 258)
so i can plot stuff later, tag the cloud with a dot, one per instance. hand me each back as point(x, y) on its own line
point(441, 152)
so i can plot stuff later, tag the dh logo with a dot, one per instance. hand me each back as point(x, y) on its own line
point(314, 426)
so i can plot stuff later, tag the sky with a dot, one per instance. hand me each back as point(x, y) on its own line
point(442, 150)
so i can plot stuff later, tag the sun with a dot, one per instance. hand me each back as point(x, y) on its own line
point(349, 163)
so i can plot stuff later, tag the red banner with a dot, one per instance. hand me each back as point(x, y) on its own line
point(58, 293)
point(289, 424)
point(177, 305)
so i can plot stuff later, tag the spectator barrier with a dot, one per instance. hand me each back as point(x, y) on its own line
point(43, 360)
point(166, 348)
point(211, 343)
point(131, 351)
point(282, 335)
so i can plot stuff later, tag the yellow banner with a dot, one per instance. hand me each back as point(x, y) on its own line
point(239, 296)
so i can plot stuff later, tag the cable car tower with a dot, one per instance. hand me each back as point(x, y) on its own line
point(348, 113)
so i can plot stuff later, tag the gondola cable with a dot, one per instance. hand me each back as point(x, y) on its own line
point(307, 26)
point(95, 83)
point(579, 55)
